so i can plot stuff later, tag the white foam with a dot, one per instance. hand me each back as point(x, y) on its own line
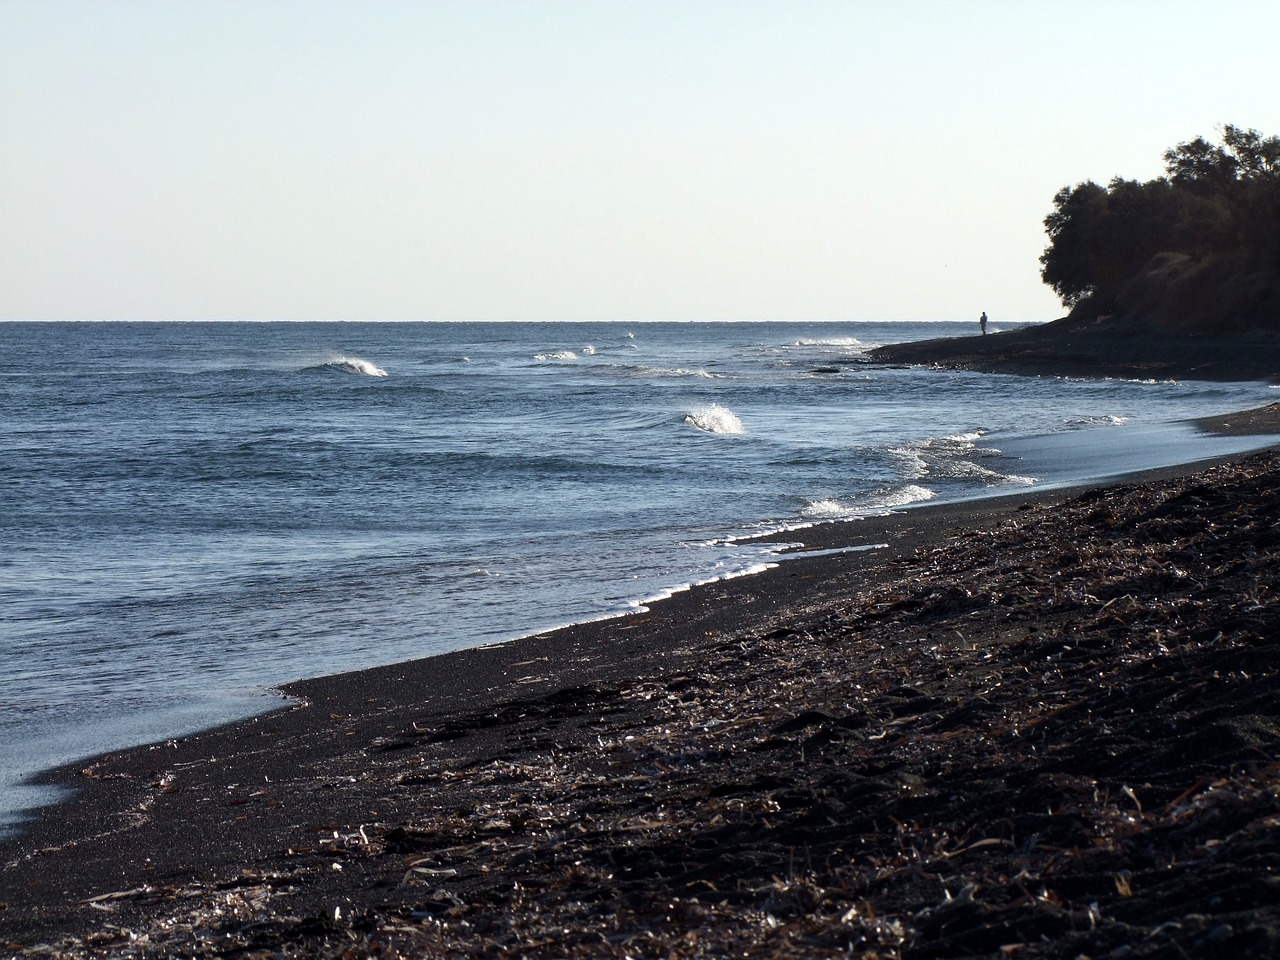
point(824, 509)
point(714, 418)
point(557, 355)
point(957, 441)
point(967, 469)
point(914, 466)
point(726, 572)
point(356, 365)
point(1109, 420)
point(678, 372)
point(588, 350)
point(830, 342)
point(915, 453)
point(951, 457)
point(901, 497)
point(883, 501)
point(638, 370)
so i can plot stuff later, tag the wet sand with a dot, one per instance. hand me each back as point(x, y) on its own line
point(1040, 726)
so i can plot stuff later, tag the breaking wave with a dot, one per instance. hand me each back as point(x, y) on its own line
point(955, 457)
point(878, 502)
point(555, 355)
point(351, 365)
point(900, 497)
point(830, 342)
point(825, 509)
point(1109, 420)
point(714, 418)
point(679, 372)
point(634, 370)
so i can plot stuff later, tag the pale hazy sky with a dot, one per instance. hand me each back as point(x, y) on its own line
point(615, 159)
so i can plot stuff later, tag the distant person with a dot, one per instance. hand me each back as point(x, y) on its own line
point(982, 322)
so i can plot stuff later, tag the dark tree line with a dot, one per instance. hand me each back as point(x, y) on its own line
point(1197, 248)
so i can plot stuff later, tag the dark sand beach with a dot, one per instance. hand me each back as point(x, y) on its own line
point(1040, 726)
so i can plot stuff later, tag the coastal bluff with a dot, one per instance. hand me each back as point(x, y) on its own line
point(1100, 347)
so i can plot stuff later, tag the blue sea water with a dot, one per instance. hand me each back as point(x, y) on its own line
point(191, 513)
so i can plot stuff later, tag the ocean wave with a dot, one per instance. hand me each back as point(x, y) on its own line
point(714, 418)
point(830, 342)
point(721, 570)
point(913, 465)
point(555, 355)
point(679, 372)
point(1107, 420)
point(955, 457)
point(968, 470)
point(922, 452)
point(825, 509)
point(636, 370)
point(956, 441)
point(662, 372)
point(877, 502)
point(354, 365)
point(900, 497)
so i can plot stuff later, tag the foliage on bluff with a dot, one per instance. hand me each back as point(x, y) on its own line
point(1197, 249)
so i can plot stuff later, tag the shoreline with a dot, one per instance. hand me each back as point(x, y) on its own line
point(40, 788)
point(812, 538)
point(349, 776)
point(1094, 348)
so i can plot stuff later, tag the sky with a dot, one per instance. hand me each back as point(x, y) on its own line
point(584, 159)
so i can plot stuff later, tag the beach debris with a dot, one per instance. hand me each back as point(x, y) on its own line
point(1054, 737)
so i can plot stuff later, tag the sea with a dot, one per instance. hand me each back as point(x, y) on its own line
point(194, 513)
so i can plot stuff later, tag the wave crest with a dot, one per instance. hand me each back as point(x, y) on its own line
point(642, 371)
point(557, 355)
point(825, 509)
point(714, 418)
point(1107, 420)
point(830, 342)
point(351, 365)
point(680, 372)
point(956, 457)
point(878, 502)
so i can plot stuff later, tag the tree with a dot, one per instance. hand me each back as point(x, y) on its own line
point(1256, 157)
point(1099, 237)
point(1199, 163)
point(1207, 233)
point(1069, 261)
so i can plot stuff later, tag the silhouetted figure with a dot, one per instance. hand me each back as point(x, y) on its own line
point(982, 322)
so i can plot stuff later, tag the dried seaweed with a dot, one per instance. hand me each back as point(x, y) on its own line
point(1054, 738)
